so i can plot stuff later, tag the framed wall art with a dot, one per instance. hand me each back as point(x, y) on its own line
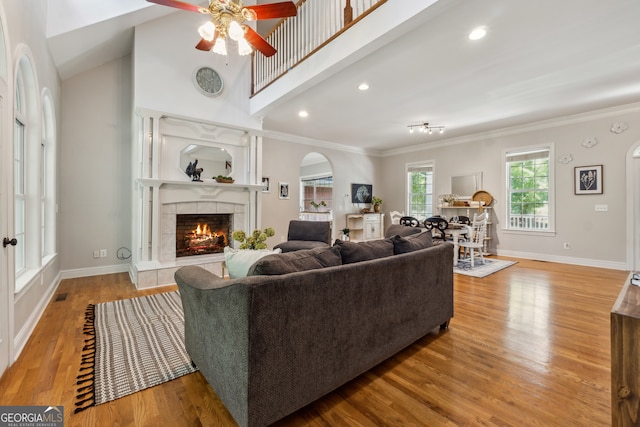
point(588, 179)
point(361, 193)
point(265, 184)
point(284, 190)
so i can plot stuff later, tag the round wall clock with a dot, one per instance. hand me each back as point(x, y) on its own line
point(208, 81)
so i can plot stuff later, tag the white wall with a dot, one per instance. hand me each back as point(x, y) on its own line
point(595, 238)
point(281, 163)
point(95, 168)
point(165, 61)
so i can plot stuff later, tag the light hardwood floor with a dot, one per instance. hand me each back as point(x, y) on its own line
point(528, 346)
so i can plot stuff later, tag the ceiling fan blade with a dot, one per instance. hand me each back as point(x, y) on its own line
point(207, 45)
point(258, 42)
point(180, 5)
point(274, 10)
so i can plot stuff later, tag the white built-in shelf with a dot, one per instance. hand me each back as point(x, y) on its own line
point(152, 182)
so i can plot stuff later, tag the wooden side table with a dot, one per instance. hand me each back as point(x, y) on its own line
point(625, 357)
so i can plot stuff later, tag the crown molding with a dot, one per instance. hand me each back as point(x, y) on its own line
point(529, 127)
point(508, 131)
point(281, 136)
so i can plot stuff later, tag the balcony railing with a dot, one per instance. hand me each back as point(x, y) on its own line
point(317, 23)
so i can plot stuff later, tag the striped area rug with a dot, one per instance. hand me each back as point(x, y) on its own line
point(135, 344)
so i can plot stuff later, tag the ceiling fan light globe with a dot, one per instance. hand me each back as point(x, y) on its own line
point(244, 48)
point(207, 31)
point(220, 47)
point(235, 31)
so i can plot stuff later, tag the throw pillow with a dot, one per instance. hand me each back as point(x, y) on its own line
point(412, 243)
point(363, 251)
point(239, 261)
point(290, 262)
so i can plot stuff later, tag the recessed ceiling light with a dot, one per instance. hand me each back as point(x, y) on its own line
point(478, 33)
point(363, 86)
point(303, 113)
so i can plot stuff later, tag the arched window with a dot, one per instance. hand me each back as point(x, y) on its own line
point(26, 173)
point(19, 178)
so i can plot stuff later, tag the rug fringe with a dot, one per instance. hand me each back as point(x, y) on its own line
point(86, 397)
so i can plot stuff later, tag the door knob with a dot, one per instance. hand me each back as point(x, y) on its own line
point(7, 241)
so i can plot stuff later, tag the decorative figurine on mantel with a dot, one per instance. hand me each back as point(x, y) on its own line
point(194, 171)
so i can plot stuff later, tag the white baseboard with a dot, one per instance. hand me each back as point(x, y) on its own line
point(23, 335)
point(614, 265)
point(94, 271)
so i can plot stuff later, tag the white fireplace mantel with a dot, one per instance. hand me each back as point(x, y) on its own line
point(151, 182)
point(162, 190)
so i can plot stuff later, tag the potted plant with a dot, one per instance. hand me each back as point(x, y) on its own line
point(255, 240)
point(345, 234)
point(376, 202)
point(317, 205)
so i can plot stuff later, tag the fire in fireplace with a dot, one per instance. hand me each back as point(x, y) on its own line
point(202, 234)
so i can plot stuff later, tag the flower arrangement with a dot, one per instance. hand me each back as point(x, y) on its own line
point(449, 198)
point(256, 240)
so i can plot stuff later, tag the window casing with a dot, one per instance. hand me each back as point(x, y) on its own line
point(19, 178)
point(529, 190)
point(420, 190)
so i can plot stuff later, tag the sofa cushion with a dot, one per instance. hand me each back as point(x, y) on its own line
point(363, 251)
point(404, 244)
point(239, 261)
point(290, 262)
point(297, 245)
point(401, 230)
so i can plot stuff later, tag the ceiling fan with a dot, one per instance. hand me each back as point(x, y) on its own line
point(228, 19)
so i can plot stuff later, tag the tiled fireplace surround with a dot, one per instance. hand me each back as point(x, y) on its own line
point(163, 274)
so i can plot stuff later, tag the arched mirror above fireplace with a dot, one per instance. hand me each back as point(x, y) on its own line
point(214, 161)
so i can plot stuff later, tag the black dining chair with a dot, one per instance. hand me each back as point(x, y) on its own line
point(410, 221)
point(460, 219)
point(437, 223)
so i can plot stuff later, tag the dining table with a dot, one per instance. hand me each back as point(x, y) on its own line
point(456, 230)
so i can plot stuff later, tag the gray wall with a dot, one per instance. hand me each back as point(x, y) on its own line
point(595, 238)
point(95, 167)
point(281, 163)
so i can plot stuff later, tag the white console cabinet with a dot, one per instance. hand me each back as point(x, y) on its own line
point(366, 226)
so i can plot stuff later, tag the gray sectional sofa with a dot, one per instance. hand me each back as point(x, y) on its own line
point(271, 343)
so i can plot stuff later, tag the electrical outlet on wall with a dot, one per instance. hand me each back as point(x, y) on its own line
point(103, 253)
point(96, 254)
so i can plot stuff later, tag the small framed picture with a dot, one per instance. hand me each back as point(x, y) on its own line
point(588, 179)
point(265, 184)
point(284, 190)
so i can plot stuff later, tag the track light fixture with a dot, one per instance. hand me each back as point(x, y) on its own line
point(425, 128)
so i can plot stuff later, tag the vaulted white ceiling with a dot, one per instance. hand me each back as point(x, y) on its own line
point(539, 60)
